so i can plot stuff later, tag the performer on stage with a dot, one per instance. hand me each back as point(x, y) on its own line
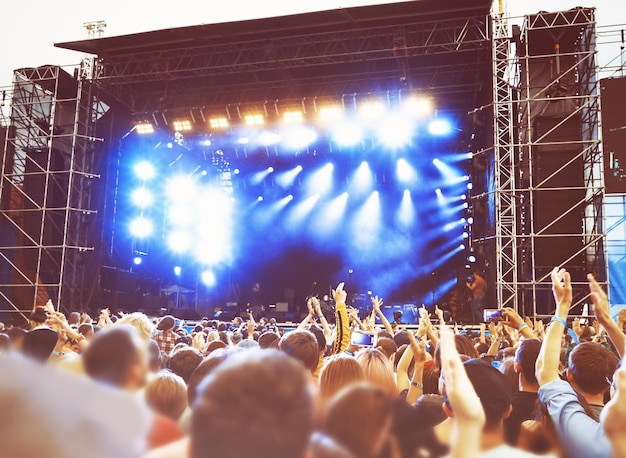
point(478, 287)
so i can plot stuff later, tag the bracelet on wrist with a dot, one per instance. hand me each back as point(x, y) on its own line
point(417, 384)
point(558, 319)
point(522, 326)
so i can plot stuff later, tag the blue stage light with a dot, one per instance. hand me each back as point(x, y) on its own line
point(141, 227)
point(363, 178)
point(260, 198)
point(348, 134)
point(177, 271)
point(404, 171)
point(142, 197)
point(395, 131)
point(406, 212)
point(440, 127)
point(208, 278)
point(137, 260)
point(144, 170)
point(179, 241)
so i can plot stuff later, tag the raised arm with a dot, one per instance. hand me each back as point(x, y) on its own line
point(603, 315)
point(376, 304)
point(515, 321)
point(328, 333)
point(342, 339)
point(547, 365)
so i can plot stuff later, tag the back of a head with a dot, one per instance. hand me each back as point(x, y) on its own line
point(357, 417)
point(140, 322)
point(39, 315)
point(86, 330)
point(39, 344)
point(492, 388)
point(184, 361)
point(166, 393)
point(338, 372)
point(377, 369)
point(268, 340)
point(111, 354)
point(301, 345)
point(387, 346)
point(166, 323)
point(207, 366)
point(256, 403)
point(319, 337)
point(589, 365)
point(73, 319)
point(526, 356)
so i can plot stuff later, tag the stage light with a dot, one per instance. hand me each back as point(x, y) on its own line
point(321, 180)
point(144, 128)
point(236, 171)
point(141, 227)
point(470, 186)
point(470, 220)
point(208, 278)
point(293, 116)
point(363, 178)
point(438, 191)
point(254, 120)
point(260, 198)
point(180, 214)
point(332, 215)
point(330, 113)
point(142, 197)
point(144, 170)
point(439, 127)
point(404, 172)
point(371, 109)
point(170, 145)
point(137, 260)
point(218, 123)
point(204, 173)
point(461, 246)
point(471, 258)
point(180, 187)
point(348, 134)
point(177, 271)
point(295, 137)
point(269, 138)
point(179, 241)
point(243, 141)
point(406, 212)
point(182, 125)
point(286, 179)
point(465, 235)
point(395, 131)
point(418, 106)
point(270, 169)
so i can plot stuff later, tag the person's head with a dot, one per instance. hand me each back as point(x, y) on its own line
point(207, 366)
point(155, 359)
point(166, 393)
point(39, 343)
point(463, 345)
point(259, 400)
point(86, 330)
point(388, 347)
point(184, 361)
point(73, 319)
point(492, 388)
point(589, 366)
point(360, 419)
point(301, 345)
point(319, 338)
point(377, 369)
point(140, 322)
point(38, 316)
point(117, 356)
point(17, 336)
point(507, 368)
point(525, 359)
point(397, 316)
point(338, 372)
point(236, 337)
point(215, 345)
point(269, 340)
point(166, 323)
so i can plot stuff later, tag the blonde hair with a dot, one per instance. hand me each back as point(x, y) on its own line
point(377, 369)
point(139, 321)
point(338, 372)
point(166, 394)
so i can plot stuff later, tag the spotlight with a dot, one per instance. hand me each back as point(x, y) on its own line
point(270, 169)
point(208, 278)
point(142, 197)
point(404, 171)
point(269, 138)
point(254, 120)
point(438, 191)
point(243, 141)
point(465, 235)
point(141, 227)
point(177, 271)
point(170, 145)
point(179, 241)
point(293, 116)
point(439, 127)
point(418, 106)
point(204, 173)
point(470, 220)
point(236, 171)
point(462, 246)
point(182, 125)
point(471, 258)
point(470, 186)
point(137, 260)
point(144, 170)
point(144, 128)
point(331, 113)
point(372, 109)
point(260, 198)
point(395, 131)
point(218, 123)
point(348, 134)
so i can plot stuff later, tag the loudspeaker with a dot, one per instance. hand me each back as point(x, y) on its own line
point(613, 94)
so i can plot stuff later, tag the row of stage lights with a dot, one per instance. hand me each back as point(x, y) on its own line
point(393, 126)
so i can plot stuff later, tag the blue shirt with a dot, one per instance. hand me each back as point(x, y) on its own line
point(581, 435)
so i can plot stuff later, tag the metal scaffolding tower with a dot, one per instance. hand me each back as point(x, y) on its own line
point(46, 176)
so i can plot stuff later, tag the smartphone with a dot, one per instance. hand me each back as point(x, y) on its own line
point(288, 330)
point(362, 339)
point(492, 315)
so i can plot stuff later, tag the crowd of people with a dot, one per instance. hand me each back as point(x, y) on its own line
point(343, 386)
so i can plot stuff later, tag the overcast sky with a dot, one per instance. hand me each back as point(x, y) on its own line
point(31, 28)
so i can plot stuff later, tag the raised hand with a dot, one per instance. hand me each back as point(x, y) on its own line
point(377, 303)
point(511, 318)
point(439, 314)
point(339, 295)
point(599, 298)
point(317, 308)
point(562, 289)
point(576, 327)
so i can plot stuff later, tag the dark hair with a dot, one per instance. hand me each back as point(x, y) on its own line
point(526, 357)
point(74, 318)
point(215, 345)
point(39, 314)
point(166, 323)
point(111, 354)
point(267, 339)
point(257, 399)
point(301, 345)
point(184, 361)
point(387, 346)
point(201, 372)
point(154, 356)
point(463, 345)
point(590, 364)
point(319, 337)
point(86, 329)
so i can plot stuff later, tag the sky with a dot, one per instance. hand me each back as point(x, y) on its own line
point(30, 29)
